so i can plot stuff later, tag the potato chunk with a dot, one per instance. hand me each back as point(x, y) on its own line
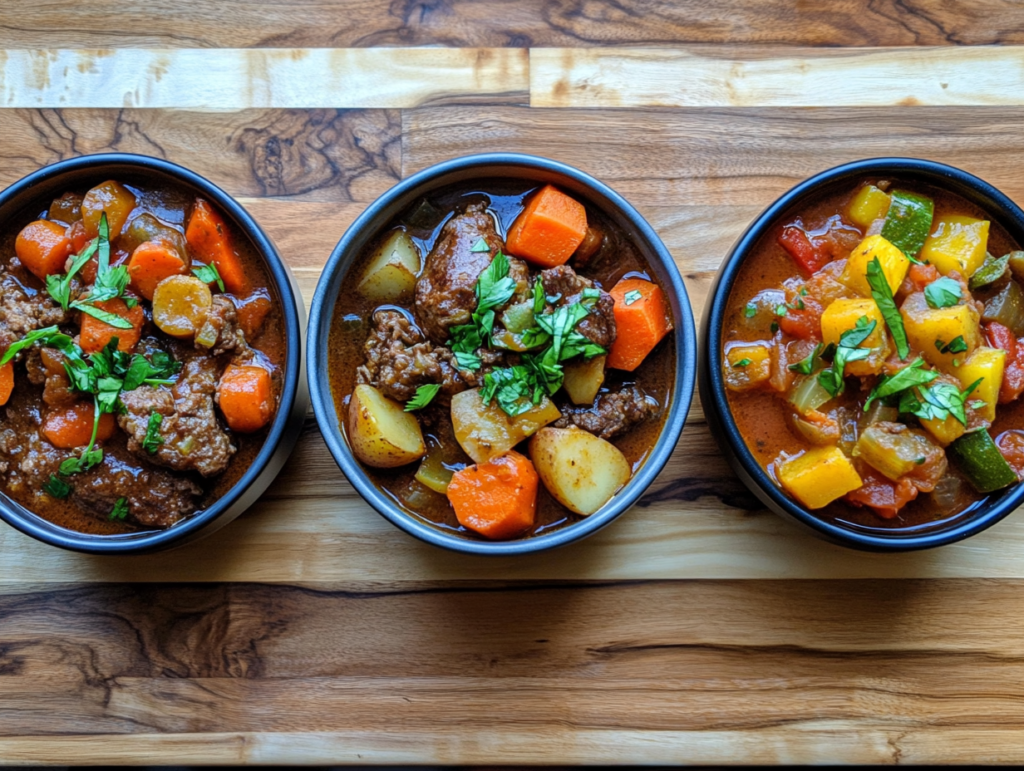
point(894, 265)
point(580, 470)
point(819, 476)
point(956, 243)
point(842, 316)
point(747, 366)
point(485, 431)
point(986, 364)
point(868, 205)
point(380, 431)
point(583, 379)
point(930, 330)
point(391, 274)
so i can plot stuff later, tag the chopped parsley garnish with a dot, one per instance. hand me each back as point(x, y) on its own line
point(832, 378)
point(423, 396)
point(741, 364)
point(632, 296)
point(120, 510)
point(538, 297)
point(775, 327)
point(750, 310)
point(58, 286)
point(943, 293)
point(806, 366)
point(883, 298)
point(152, 441)
point(910, 376)
point(480, 246)
point(781, 310)
point(937, 402)
point(494, 288)
point(57, 487)
point(92, 454)
point(209, 274)
point(956, 345)
point(105, 316)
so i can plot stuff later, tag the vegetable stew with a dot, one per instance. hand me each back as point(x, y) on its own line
point(873, 356)
point(499, 359)
point(141, 343)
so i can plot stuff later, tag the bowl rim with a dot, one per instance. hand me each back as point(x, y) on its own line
point(995, 203)
point(372, 219)
point(282, 432)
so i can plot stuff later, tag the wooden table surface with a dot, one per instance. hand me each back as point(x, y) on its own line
point(697, 629)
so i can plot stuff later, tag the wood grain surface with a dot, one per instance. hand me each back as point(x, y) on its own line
point(699, 628)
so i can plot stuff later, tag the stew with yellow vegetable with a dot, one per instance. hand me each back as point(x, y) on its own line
point(497, 360)
point(874, 355)
point(140, 352)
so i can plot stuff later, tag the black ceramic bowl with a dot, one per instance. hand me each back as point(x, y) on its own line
point(23, 200)
point(370, 225)
point(712, 389)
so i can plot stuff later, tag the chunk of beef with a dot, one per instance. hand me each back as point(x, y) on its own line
point(599, 325)
point(45, 366)
point(445, 292)
point(193, 439)
point(399, 359)
point(612, 414)
point(23, 310)
point(155, 498)
point(221, 329)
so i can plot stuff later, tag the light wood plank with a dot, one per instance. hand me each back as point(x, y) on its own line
point(721, 156)
point(470, 23)
point(237, 79)
point(721, 78)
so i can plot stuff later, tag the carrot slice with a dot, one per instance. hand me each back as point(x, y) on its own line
point(79, 238)
point(6, 382)
point(641, 320)
point(549, 229)
point(95, 334)
point(209, 240)
point(43, 247)
point(151, 263)
point(71, 427)
point(246, 397)
point(497, 499)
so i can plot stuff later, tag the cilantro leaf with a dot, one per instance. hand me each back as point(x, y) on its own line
point(152, 441)
point(494, 288)
point(209, 274)
point(120, 510)
point(57, 487)
point(943, 293)
point(882, 295)
point(423, 396)
point(910, 376)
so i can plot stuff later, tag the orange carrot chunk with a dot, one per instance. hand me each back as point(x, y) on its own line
point(549, 229)
point(246, 397)
point(641, 320)
point(208, 238)
point(70, 427)
point(43, 247)
point(497, 499)
point(151, 263)
point(95, 334)
point(6, 382)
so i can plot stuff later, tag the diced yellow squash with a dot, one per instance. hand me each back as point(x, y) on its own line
point(894, 265)
point(819, 476)
point(929, 328)
point(868, 205)
point(841, 316)
point(945, 431)
point(989, 364)
point(956, 243)
point(747, 365)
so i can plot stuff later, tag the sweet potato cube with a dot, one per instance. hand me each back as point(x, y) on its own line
point(894, 265)
point(841, 316)
point(932, 330)
point(868, 205)
point(819, 476)
point(988, 364)
point(956, 243)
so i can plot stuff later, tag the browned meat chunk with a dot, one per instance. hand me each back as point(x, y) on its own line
point(612, 414)
point(564, 283)
point(155, 498)
point(193, 439)
point(221, 329)
point(23, 310)
point(45, 366)
point(399, 359)
point(445, 292)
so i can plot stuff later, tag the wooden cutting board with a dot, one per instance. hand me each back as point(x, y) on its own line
point(699, 628)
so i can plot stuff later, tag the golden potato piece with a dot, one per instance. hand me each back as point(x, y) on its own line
point(180, 305)
point(381, 433)
point(580, 470)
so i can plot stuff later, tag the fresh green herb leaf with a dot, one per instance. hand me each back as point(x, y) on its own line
point(152, 441)
point(468, 361)
point(209, 274)
point(750, 310)
point(910, 376)
point(590, 293)
point(538, 297)
point(109, 285)
point(480, 246)
point(977, 404)
point(511, 388)
point(991, 270)
point(106, 317)
point(803, 291)
point(632, 296)
point(57, 487)
point(832, 378)
point(956, 345)
point(92, 454)
point(943, 293)
point(130, 302)
point(423, 396)
point(775, 327)
point(103, 245)
point(882, 295)
point(45, 336)
point(806, 366)
point(120, 510)
point(938, 402)
point(494, 288)
point(59, 287)
point(781, 310)
point(741, 364)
